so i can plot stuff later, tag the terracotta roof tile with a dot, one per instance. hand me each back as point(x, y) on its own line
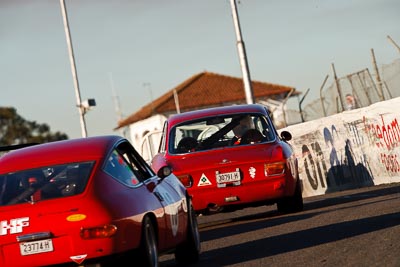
point(207, 89)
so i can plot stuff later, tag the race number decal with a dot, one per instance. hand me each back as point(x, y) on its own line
point(171, 210)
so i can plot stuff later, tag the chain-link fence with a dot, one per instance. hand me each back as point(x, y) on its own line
point(391, 78)
point(358, 88)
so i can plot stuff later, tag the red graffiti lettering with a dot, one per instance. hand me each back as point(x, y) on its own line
point(384, 135)
point(390, 162)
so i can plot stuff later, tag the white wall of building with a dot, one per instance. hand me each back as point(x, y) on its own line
point(146, 134)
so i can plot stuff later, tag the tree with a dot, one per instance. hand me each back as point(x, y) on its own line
point(16, 130)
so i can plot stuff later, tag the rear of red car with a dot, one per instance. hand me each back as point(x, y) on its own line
point(91, 202)
point(52, 210)
point(236, 177)
point(51, 232)
point(220, 173)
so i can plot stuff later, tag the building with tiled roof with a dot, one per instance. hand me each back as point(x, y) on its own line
point(205, 90)
point(200, 91)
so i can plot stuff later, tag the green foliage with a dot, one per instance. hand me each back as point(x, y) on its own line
point(16, 130)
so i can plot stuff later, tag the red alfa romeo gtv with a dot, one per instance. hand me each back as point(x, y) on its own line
point(231, 157)
point(91, 202)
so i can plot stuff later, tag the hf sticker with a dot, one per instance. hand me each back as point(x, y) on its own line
point(15, 226)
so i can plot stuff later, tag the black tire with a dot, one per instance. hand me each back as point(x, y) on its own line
point(293, 203)
point(148, 251)
point(189, 251)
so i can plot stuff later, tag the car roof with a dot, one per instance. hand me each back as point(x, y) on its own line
point(208, 112)
point(58, 152)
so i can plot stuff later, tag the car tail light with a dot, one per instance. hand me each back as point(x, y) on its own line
point(186, 180)
point(275, 168)
point(99, 231)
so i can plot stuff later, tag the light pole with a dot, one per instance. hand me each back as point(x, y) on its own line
point(242, 55)
point(83, 107)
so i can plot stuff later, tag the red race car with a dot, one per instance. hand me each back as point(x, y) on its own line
point(231, 157)
point(91, 202)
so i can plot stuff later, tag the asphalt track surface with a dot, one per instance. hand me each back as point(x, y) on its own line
point(350, 228)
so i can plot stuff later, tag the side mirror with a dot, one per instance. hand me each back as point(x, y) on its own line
point(164, 172)
point(286, 136)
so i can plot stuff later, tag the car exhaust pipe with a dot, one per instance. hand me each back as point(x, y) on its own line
point(213, 208)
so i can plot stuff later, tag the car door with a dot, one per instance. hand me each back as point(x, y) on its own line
point(169, 192)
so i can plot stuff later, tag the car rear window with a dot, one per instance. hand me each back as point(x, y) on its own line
point(33, 185)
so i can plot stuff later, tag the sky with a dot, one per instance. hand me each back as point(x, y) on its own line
point(130, 52)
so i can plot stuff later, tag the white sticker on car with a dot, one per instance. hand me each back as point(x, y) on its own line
point(204, 181)
point(171, 209)
point(15, 225)
point(252, 172)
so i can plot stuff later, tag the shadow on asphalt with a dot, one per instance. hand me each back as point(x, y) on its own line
point(270, 246)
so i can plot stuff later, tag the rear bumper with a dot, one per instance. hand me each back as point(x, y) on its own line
point(64, 248)
point(267, 191)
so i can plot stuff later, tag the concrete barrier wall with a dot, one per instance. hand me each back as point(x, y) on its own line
point(353, 149)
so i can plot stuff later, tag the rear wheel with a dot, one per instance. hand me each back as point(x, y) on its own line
point(293, 203)
point(189, 251)
point(148, 251)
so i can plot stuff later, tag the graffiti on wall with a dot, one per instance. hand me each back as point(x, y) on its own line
point(386, 137)
point(353, 149)
point(336, 161)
